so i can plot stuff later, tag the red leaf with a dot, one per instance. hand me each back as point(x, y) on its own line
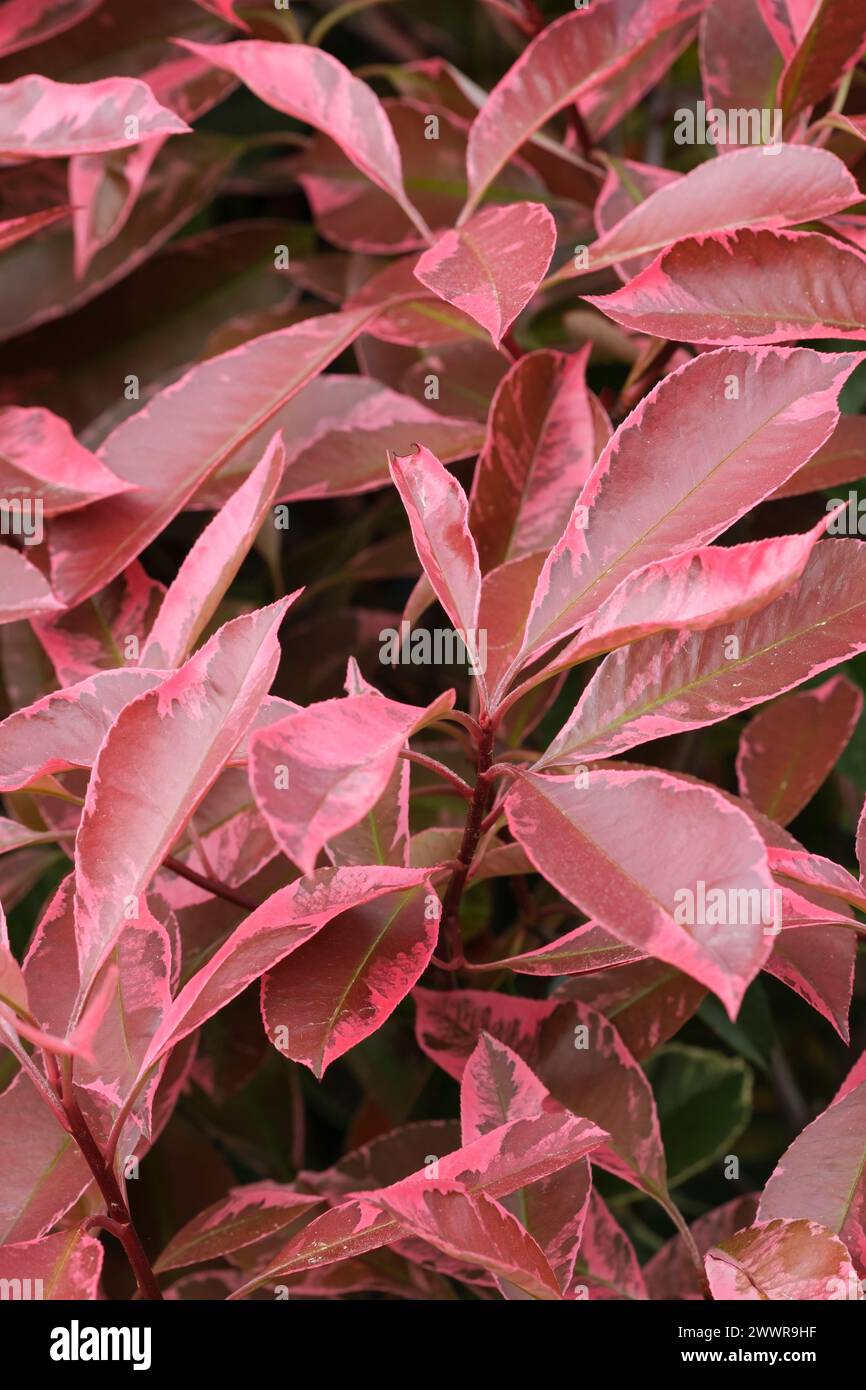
point(782, 1260)
point(792, 746)
point(63, 1266)
point(833, 40)
point(449, 1024)
point(40, 458)
point(247, 1215)
point(739, 63)
point(24, 592)
point(670, 1274)
point(607, 1267)
point(491, 267)
point(27, 22)
point(19, 228)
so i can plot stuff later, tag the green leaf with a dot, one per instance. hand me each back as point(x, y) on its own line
point(704, 1102)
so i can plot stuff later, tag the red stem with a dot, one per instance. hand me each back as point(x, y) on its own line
point(450, 937)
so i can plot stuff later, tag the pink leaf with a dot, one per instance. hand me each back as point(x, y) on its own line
point(589, 844)
point(565, 62)
point(607, 1267)
point(792, 746)
point(687, 462)
point(342, 986)
point(171, 446)
point(247, 1215)
point(19, 228)
point(647, 1000)
point(24, 592)
point(40, 458)
point(63, 1266)
point(491, 267)
point(782, 1260)
point(497, 1086)
point(588, 948)
point(24, 23)
point(477, 1230)
point(315, 87)
point(754, 188)
point(41, 119)
point(44, 1172)
point(687, 681)
point(739, 64)
point(320, 771)
point(795, 284)
point(449, 1024)
point(178, 737)
point(538, 453)
point(210, 566)
point(841, 460)
point(833, 40)
point(670, 1274)
point(105, 631)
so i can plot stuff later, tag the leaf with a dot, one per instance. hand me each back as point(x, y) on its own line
point(449, 1024)
point(210, 566)
point(342, 986)
point(491, 267)
point(25, 592)
point(682, 468)
point(63, 1266)
point(497, 1086)
point(569, 59)
point(589, 843)
point(607, 1267)
point(792, 746)
point(647, 1000)
point(588, 948)
point(185, 440)
point(337, 433)
point(697, 589)
point(832, 42)
point(795, 284)
point(508, 1158)
point(477, 1230)
point(27, 22)
point(319, 771)
point(754, 188)
point(687, 681)
point(704, 1102)
point(781, 1260)
point(40, 458)
point(176, 738)
point(315, 87)
point(438, 516)
point(17, 229)
point(538, 453)
point(584, 1063)
point(822, 1176)
point(841, 460)
point(249, 1214)
point(740, 62)
point(95, 635)
point(281, 924)
point(44, 1172)
point(41, 119)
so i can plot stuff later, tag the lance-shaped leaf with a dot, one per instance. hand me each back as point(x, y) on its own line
point(587, 841)
point(41, 119)
point(315, 87)
point(163, 753)
point(767, 187)
point(491, 267)
point(27, 22)
point(792, 746)
point(40, 458)
point(607, 1267)
point(476, 1230)
point(685, 681)
point(340, 987)
point(320, 771)
point(538, 453)
point(249, 1214)
point(586, 949)
point(647, 1000)
point(449, 1024)
point(822, 1175)
point(781, 1260)
point(210, 566)
point(816, 872)
point(697, 590)
point(63, 1266)
point(740, 65)
point(584, 1063)
point(337, 433)
point(24, 591)
point(44, 1171)
point(832, 42)
point(696, 454)
point(746, 287)
point(65, 729)
point(510, 1157)
point(563, 63)
point(277, 928)
point(19, 228)
point(438, 514)
point(841, 460)
point(181, 437)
